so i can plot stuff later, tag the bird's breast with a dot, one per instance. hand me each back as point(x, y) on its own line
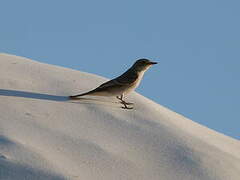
point(140, 76)
point(135, 84)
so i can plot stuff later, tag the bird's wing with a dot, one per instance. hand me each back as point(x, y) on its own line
point(108, 84)
point(125, 79)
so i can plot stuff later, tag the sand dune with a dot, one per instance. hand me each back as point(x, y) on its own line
point(43, 135)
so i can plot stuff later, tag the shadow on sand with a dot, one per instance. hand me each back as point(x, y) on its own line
point(32, 95)
point(83, 100)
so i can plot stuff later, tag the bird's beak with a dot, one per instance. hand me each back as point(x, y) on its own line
point(152, 63)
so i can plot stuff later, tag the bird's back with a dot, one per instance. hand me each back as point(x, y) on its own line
point(127, 78)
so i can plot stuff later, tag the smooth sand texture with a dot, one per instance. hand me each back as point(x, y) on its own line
point(43, 135)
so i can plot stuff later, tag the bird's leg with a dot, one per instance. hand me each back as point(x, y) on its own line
point(124, 102)
point(120, 97)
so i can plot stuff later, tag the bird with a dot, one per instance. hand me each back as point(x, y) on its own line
point(123, 84)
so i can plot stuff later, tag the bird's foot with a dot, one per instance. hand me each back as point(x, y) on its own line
point(125, 105)
point(124, 102)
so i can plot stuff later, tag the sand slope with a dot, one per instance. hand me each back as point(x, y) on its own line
point(43, 135)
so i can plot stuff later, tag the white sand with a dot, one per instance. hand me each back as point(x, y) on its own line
point(44, 136)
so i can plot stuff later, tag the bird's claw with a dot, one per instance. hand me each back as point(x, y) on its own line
point(124, 102)
point(127, 103)
point(125, 107)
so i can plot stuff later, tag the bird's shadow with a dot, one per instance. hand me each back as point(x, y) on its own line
point(32, 95)
point(41, 96)
point(87, 100)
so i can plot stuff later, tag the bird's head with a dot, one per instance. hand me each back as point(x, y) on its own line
point(143, 64)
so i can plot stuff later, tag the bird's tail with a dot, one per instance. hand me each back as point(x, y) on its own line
point(79, 95)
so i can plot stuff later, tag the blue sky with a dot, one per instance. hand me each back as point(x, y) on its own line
point(197, 45)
